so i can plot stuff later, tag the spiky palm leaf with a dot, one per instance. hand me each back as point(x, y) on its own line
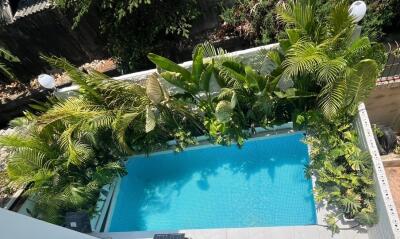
point(303, 58)
point(299, 15)
point(330, 100)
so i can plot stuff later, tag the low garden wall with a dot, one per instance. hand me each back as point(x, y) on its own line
point(388, 226)
point(383, 105)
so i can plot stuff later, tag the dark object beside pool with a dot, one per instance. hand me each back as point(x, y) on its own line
point(78, 221)
point(169, 236)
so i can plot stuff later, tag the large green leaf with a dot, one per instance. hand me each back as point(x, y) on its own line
point(223, 111)
point(253, 78)
point(120, 126)
point(169, 65)
point(177, 80)
point(154, 90)
point(197, 67)
point(361, 82)
point(150, 120)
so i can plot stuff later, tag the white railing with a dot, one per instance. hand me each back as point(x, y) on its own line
point(388, 226)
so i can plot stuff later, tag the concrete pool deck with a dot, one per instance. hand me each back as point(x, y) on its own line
point(291, 232)
point(319, 231)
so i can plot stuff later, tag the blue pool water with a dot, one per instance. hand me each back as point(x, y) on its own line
point(262, 184)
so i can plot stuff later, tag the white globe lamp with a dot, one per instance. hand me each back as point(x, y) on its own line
point(47, 81)
point(358, 10)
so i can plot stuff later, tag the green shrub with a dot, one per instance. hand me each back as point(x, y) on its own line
point(381, 18)
point(132, 28)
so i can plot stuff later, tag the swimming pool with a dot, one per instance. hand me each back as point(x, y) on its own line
point(260, 185)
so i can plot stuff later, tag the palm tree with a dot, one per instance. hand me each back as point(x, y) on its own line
point(344, 70)
point(74, 147)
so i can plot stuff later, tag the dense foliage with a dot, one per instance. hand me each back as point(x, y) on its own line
point(317, 77)
point(344, 172)
point(132, 28)
point(257, 20)
point(6, 58)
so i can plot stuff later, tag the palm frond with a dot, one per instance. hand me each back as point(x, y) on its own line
point(331, 98)
point(298, 14)
point(330, 70)
point(303, 58)
point(77, 76)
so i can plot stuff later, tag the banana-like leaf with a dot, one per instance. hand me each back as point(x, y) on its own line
point(154, 90)
point(252, 78)
point(234, 100)
point(150, 120)
point(361, 82)
point(169, 65)
point(197, 67)
point(177, 80)
point(223, 111)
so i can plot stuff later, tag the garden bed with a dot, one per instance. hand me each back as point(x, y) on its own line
point(6, 190)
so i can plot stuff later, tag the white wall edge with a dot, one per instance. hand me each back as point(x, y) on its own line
point(17, 226)
point(188, 64)
point(381, 180)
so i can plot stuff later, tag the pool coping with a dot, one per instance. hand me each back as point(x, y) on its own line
point(281, 232)
point(279, 131)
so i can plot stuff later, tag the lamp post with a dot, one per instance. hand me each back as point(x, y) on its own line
point(357, 10)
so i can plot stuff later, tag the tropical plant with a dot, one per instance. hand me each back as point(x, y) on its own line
point(343, 172)
point(76, 145)
point(343, 69)
point(316, 77)
point(6, 58)
point(240, 99)
point(258, 21)
point(64, 171)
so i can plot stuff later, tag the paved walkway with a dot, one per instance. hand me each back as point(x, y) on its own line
point(295, 232)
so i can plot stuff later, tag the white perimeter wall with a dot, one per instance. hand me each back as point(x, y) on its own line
point(17, 226)
point(388, 225)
